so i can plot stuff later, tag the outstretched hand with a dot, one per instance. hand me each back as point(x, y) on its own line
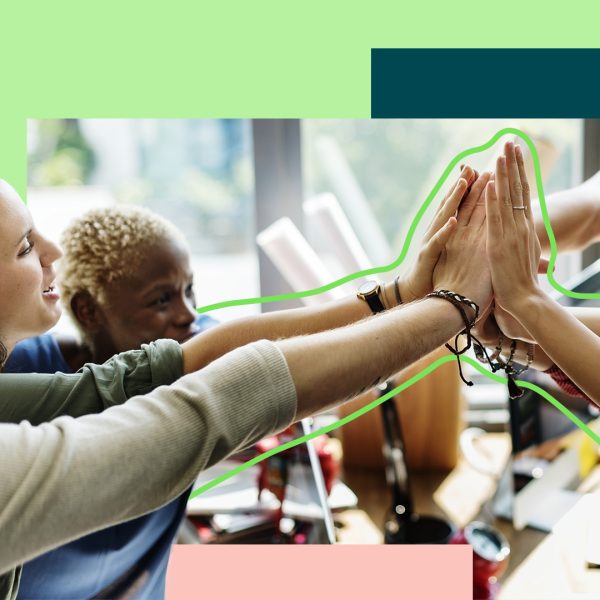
point(463, 266)
point(513, 248)
point(418, 282)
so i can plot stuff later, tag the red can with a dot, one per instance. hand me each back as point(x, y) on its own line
point(490, 557)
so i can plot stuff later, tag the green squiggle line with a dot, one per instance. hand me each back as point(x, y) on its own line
point(282, 297)
point(375, 403)
point(436, 188)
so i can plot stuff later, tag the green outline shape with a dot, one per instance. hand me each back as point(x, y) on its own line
point(411, 232)
point(403, 386)
point(365, 409)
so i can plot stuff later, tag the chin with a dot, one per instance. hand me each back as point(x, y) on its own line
point(50, 319)
point(46, 319)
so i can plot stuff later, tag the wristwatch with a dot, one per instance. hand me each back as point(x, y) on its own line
point(369, 292)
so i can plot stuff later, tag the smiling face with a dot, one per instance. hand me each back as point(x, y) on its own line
point(157, 301)
point(28, 302)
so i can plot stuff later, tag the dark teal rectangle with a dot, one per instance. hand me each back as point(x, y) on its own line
point(485, 83)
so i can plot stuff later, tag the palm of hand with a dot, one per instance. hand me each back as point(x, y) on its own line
point(510, 327)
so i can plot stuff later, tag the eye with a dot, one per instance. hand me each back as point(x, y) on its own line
point(28, 249)
point(163, 299)
point(189, 291)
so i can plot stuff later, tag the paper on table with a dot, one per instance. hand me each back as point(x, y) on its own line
point(240, 494)
point(353, 201)
point(326, 211)
point(296, 260)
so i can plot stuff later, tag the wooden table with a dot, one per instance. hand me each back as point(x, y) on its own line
point(374, 499)
point(542, 566)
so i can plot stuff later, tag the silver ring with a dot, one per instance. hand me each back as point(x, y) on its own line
point(519, 208)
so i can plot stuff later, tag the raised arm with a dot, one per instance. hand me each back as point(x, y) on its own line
point(66, 478)
point(38, 398)
point(574, 215)
point(69, 477)
point(335, 365)
point(512, 250)
point(219, 340)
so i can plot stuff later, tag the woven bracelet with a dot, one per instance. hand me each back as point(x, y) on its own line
point(459, 301)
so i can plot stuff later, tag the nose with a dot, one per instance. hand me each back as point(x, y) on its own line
point(185, 312)
point(49, 252)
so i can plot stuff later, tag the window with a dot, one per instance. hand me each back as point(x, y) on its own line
point(396, 163)
point(392, 165)
point(196, 173)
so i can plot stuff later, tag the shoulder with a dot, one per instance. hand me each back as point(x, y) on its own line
point(39, 354)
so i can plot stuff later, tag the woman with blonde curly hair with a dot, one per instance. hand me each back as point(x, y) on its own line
point(66, 472)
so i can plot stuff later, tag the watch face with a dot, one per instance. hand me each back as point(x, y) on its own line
point(368, 287)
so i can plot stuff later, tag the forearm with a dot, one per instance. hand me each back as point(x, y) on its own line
point(203, 417)
point(66, 478)
point(214, 343)
point(568, 343)
point(589, 316)
point(575, 218)
point(335, 365)
point(38, 398)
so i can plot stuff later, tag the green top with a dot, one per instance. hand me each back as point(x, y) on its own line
point(38, 398)
point(71, 476)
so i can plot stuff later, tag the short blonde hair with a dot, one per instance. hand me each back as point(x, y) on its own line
point(108, 244)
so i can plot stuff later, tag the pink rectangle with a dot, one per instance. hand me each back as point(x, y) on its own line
point(253, 572)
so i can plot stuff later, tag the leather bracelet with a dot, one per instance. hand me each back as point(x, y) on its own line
point(457, 300)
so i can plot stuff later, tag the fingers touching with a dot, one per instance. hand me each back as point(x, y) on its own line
point(526, 189)
point(493, 219)
point(451, 202)
point(430, 253)
point(472, 208)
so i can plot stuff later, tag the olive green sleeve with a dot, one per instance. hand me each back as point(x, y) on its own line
point(39, 398)
point(69, 477)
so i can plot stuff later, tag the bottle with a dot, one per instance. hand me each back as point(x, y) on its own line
point(398, 516)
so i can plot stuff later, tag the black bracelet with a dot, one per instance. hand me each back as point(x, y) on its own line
point(458, 299)
point(397, 290)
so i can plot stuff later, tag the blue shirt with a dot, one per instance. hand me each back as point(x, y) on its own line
point(127, 559)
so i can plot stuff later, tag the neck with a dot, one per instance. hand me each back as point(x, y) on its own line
point(100, 348)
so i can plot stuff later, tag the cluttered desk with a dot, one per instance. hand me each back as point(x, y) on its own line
point(524, 500)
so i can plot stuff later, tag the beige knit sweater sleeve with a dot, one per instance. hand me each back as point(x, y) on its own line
point(69, 477)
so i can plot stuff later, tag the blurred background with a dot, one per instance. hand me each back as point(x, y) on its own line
point(222, 181)
point(245, 193)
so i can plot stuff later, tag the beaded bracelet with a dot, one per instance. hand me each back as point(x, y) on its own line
point(498, 349)
point(496, 363)
point(530, 356)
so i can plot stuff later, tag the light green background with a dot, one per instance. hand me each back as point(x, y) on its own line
point(240, 59)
